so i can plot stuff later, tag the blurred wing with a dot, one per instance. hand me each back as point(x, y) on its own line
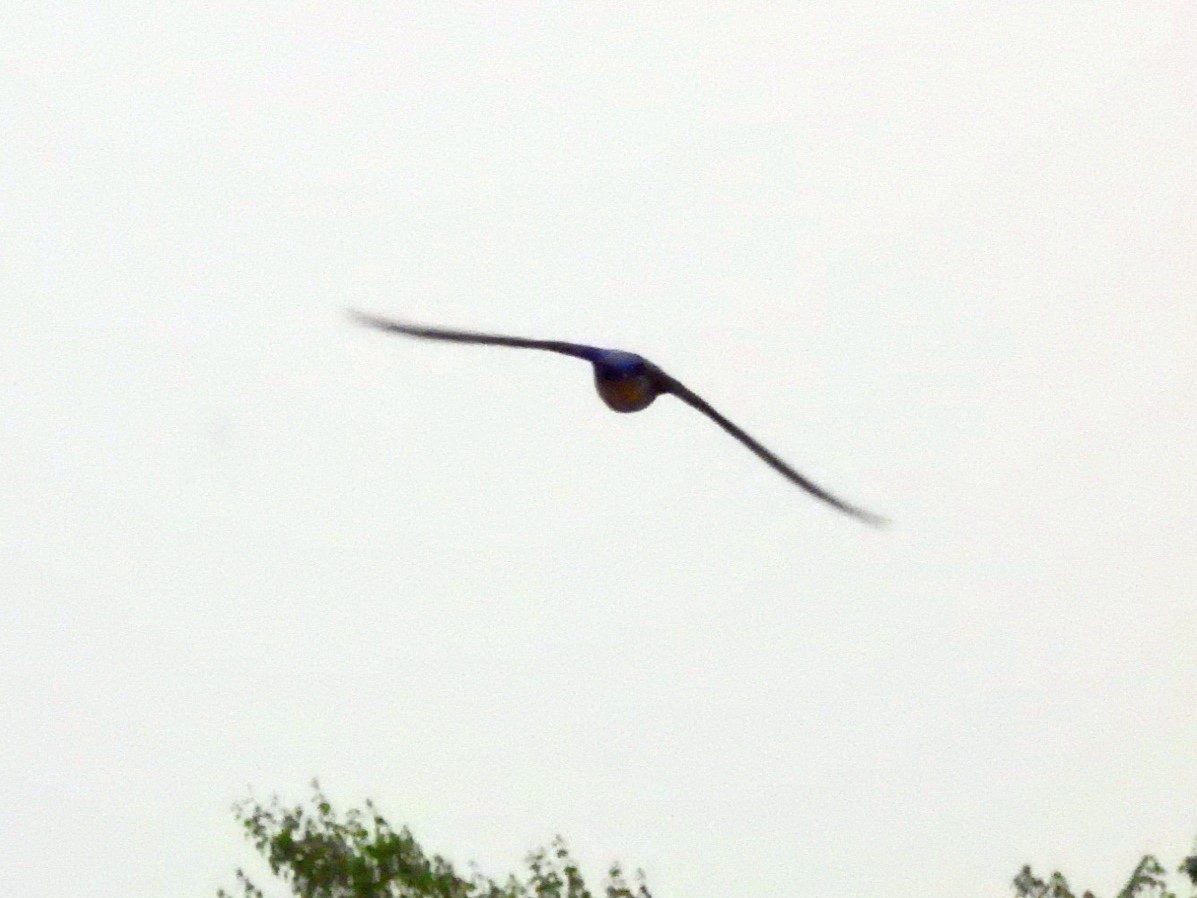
point(437, 333)
point(668, 384)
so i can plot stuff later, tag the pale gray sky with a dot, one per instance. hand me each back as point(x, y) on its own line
point(939, 256)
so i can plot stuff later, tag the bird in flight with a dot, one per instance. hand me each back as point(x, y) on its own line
point(627, 383)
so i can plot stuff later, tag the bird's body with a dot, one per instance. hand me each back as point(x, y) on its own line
point(626, 393)
point(626, 382)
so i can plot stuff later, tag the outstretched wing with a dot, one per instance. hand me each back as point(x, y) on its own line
point(668, 384)
point(437, 333)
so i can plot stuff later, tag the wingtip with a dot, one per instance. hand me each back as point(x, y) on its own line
point(866, 517)
point(368, 320)
point(360, 317)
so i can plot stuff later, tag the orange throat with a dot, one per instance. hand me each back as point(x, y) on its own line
point(627, 394)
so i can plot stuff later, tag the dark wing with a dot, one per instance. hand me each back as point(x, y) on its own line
point(668, 385)
point(436, 333)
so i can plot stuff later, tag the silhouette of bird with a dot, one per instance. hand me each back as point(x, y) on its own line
point(627, 383)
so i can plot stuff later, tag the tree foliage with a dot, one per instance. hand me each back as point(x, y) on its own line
point(1149, 880)
point(319, 853)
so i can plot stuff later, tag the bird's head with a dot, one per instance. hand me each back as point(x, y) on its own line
point(625, 381)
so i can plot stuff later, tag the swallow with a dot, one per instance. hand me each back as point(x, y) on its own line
point(626, 382)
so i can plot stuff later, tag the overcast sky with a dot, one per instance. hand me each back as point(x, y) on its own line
point(941, 257)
